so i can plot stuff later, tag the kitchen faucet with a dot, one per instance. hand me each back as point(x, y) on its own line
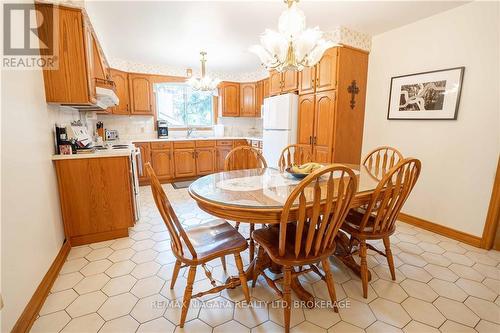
point(190, 131)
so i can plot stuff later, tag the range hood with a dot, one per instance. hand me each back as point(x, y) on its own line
point(104, 98)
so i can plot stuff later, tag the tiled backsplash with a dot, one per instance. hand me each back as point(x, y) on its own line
point(139, 128)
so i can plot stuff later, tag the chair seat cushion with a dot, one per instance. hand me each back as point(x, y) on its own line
point(268, 238)
point(213, 239)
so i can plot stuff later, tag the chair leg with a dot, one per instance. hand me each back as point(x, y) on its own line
point(257, 266)
point(187, 295)
point(330, 283)
point(175, 273)
point(251, 243)
point(390, 259)
point(242, 276)
point(237, 226)
point(364, 267)
point(223, 261)
point(287, 296)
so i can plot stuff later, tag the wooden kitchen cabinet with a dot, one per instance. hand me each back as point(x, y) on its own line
point(141, 94)
point(330, 117)
point(324, 126)
point(121, 82)
point(229, 99)
point(161, 161)
point(185, 162)
point(322, 76)
point(81, 65)
point(280, 83)
point(247, 99)
point(222, 152)
point(145, 148)
point(265, 88)
point(326, 70)
point(274, 83)
point(306, 111)
point(259, 97)
point(205, 161)
point(307, 80)
point(240, 160)
point(96, 196)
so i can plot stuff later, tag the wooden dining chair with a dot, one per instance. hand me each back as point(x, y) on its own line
point(381, 159)
point(254, 158)
point(197, 246)
point(294, 154)
point(317, 207)
point(379, 219)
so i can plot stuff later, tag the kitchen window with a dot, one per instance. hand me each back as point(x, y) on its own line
point(181, 106)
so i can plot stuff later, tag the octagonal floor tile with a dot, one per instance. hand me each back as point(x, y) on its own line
point(456, 311)
point(117, 306)
point(159, 325)
point(125, 324)
point(419, 290)
point(86, 304)
point(357, 313)
point(119, 285)
point(423, 312)
point(390, 313)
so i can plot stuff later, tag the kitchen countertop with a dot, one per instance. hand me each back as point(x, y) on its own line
point(128, 152)
point(96, 154)
point(200, 138)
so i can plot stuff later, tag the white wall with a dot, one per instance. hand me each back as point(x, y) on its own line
point(459, 157)
point(32, 230)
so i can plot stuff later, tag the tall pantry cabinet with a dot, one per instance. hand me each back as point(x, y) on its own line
point(332, 106)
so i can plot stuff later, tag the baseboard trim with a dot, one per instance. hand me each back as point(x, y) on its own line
point(99, 237)
point(33, 307)
point(442, 230)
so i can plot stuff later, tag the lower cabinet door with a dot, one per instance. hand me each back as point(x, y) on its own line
point(205, 161)
point(161, 161)
point(322, 155)
point(221, 157)
point(185, 163)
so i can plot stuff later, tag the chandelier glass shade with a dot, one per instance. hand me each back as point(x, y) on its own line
point(293, 46)
point(205, 82)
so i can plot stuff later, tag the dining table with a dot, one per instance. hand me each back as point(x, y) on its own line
point(257, 196)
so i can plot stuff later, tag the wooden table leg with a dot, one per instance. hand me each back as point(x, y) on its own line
point(343, 252)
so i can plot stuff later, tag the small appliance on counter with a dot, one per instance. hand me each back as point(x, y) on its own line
point(64, 145)
point(162, 129)
point(111, 135)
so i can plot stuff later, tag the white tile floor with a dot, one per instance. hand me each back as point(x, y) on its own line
point(123, 286)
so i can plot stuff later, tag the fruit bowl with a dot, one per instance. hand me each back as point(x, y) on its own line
point(302, 171)
point(296, 175)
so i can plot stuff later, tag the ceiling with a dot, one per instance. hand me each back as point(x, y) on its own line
point(173, 32)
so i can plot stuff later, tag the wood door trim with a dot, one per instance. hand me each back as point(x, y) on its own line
point(493, 216)
point(28, 316)
point(440, 229)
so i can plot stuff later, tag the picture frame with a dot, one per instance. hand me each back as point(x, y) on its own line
point(433, 95)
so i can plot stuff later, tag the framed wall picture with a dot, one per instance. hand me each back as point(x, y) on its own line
point(427, 95)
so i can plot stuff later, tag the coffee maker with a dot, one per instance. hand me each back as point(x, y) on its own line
point(162, 127)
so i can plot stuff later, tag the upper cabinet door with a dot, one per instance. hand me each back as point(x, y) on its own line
point(141, 94)
point(121, 82)
point(326, 71)
point(265, 87)
point(259, 97)
point(306, 119)
point(324, 124)
point(290, 81)
point(247, 100)
point(230, 96)
point(307, 78)
point(274, 83)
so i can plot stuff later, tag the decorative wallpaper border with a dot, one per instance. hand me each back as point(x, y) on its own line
point(341, 35)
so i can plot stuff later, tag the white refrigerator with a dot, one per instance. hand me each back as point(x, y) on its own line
point(279, 125)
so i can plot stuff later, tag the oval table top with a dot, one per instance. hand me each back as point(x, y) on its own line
point(258, 195)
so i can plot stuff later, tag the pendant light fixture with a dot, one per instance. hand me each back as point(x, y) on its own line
point(204, 83)
point(292, 47)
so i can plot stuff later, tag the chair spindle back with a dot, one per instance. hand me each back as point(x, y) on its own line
point(177, 234)
point(294, 154)
point(324, 198)
point(380, 160)
point(390, 196)
point(230, 161)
